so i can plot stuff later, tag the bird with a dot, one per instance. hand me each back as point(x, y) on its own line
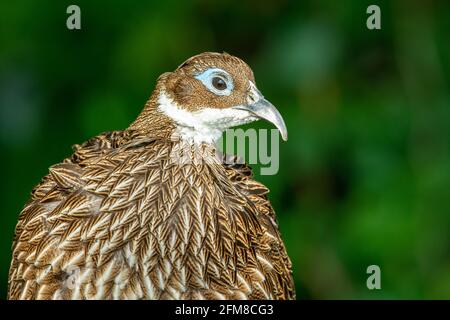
point(155, 211)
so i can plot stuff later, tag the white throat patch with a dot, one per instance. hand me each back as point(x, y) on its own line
point(205, 125)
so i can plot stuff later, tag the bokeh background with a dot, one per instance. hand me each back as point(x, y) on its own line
point(365, 176)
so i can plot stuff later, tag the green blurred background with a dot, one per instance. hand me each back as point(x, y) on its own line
point(365, 176)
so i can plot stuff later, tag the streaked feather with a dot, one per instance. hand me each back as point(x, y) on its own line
point(188, 229)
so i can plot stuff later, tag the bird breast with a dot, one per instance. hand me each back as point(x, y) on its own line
point(141, 222)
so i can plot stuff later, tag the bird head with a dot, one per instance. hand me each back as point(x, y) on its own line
point(210, 93)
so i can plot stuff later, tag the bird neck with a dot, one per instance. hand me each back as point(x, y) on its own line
point(163, 117)
point(151, 122)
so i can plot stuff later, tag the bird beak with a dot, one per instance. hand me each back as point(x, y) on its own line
point(263, 109)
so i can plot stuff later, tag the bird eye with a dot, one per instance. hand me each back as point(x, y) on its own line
point(219, 83)
point(216, 81)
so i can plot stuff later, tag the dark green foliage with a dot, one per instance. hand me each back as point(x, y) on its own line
point(365, 176)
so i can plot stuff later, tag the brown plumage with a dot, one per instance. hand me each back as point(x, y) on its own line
point(123, 218)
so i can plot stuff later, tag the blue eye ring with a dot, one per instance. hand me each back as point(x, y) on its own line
point(217, 81)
